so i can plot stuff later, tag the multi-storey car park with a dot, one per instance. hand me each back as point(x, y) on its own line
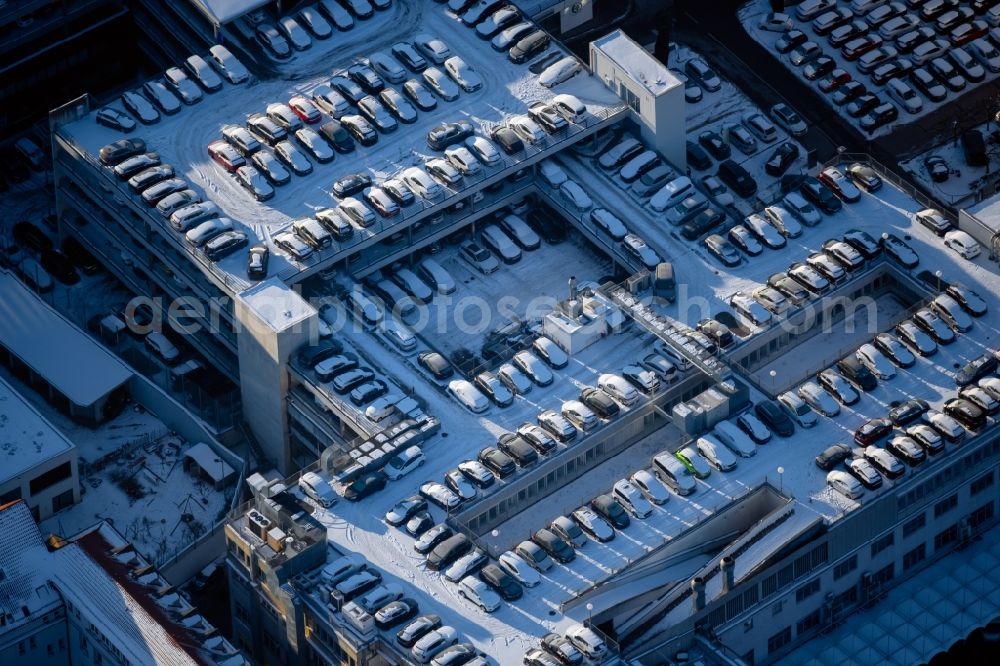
point(753, 561)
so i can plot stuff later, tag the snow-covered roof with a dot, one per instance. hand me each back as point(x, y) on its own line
point(224, 11)
point(209, 461)
point(27, 439)
point(277, 306)
point(637, 61)
point(66, 357)
point(988, 212)
point(23, 586)
point(920, 618)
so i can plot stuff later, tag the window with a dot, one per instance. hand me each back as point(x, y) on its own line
point(981, 484)
point(62, 501)
point(914, 557)
point(808, 622)
point(884, 542)
point(777, 607)
point(883, 575)
point(914, 525)
point(8, 497)
point(945, 537)
point(945, 505)
point(845, 567)
point(981, 515)
point(779, 640)
point(50, 478)
point(631, 99)
point(807, 590)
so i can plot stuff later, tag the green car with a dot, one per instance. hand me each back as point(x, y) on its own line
point(693, 462)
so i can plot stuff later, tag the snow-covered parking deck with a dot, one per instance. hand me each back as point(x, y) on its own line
point(515, 627)
point(181, 139)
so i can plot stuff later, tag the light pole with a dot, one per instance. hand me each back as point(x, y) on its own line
point(590, 614)
point(773, 374)
point(937, 274)
point(781, 480)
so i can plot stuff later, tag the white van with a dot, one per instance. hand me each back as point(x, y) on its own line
point(671, 194)
point(501, 244)
point(434, 274)
point(735, 439)
point(569, 107)
point(672, 472)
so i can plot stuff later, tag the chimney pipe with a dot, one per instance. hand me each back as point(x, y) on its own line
point(572, 287)
point(728, 566)
point(697, 593)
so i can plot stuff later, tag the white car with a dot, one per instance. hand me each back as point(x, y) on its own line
point(287, 152)
point(991, 385)
point(440, 495)
point(295, 33)
point(764, 231)
point(463, 565)
point(460, 485)
point(439, 82)
point(802, 209)
point(716, 453)
point(443, 171)
point(875, 361)
point(317, 489)
point(788, 119)
point(552, 173)
point(483, 149)
point(479, 593)
point(575, 196)
point(315, 23)
point(845, 484)
point(609, 223)
point(155, 341)
point(330, 101)
point(208, 230)
point(595, 526)
point(632, 499)
point(462, 159)
point(527, 129)
point(884, 462)
point(650, 486)
point(560, 71)
point(432, 643)
point(291, 243)
point(550, 352)
point(433, 48)
point(203, 73)
point(618, 388)
point(798, 410)
point(587, 642)
point(579, 415)
point(387, 67)
point(962, 243)
point(518, 569)
point(734, 438)
point(185, 88)
point(422, 184)
point(140, 107)
point(638, 248)
point(749, 308)
point(479, 258)
point(533, 367)
point(404, 462)
point(783, 221)
point(227, 64)
point(463, 74)
point(981, 398)
point(468, 395)
point(818, 399)
point(315, 144)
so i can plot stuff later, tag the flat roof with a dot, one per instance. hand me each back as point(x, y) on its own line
point(66, 357)
point(637, 62)
point(27, 439)
point(276, 305)
point(224, 11)
point(988, 212)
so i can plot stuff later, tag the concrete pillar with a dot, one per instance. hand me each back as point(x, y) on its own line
point(728, 566)
point(697, 593)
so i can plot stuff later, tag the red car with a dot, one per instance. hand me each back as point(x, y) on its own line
point(856, 48)
point(872, 431)
point(304, 109)
point(834, 79)
point(228, 157)
point(968, 32)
